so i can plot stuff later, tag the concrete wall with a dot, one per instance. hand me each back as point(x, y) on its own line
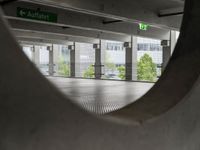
point(35, 116)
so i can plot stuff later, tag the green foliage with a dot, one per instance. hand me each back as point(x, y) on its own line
point(110, 66)
point(146, 69)
point(121, 70)
point(89, 73)
point(63, 68)
point(109, 63)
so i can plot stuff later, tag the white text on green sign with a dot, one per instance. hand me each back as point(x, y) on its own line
point(36, 15)
point(143, 26)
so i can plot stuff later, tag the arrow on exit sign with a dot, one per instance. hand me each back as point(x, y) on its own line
point(36, 15)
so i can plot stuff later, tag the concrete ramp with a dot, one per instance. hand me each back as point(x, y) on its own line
point(35, 116)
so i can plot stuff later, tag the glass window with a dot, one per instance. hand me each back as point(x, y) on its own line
point(114, 61)
point(85, 60)
point(61, 60)
point(150, 59)
point(44, 60)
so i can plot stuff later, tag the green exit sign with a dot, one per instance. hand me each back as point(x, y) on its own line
point(143, 26)
point(36, 15)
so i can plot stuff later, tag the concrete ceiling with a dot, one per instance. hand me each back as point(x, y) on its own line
point(126, 10)
point(156, 5)
point(78, 24)
point(152, 5)
point(85, 18)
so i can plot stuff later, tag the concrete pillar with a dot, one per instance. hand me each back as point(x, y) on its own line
point(172, 40)
point(103, 56)
point(56, 58)
point(168, 48)
point(166, 53)
point(128, 63)
point(36, 55)
point(98, 65)
point(131, 59)
point(134, 57)
point(78, 70)
point(72, 60)
point(51, 63)
point(32, 53)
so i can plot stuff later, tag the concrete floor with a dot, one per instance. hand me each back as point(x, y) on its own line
point(101, 96)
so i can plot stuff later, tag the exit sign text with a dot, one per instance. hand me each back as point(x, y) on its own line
point(143, 26)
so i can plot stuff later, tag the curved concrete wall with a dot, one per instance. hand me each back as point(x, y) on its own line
point(35, 116)
point(179, 77)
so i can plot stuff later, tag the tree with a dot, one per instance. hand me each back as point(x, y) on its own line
point(109, 63)
point(63, 67)
point(89, 73)
point(146, 69)
point(121, 70)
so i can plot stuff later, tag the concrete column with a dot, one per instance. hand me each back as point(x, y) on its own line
point(134, 57)
point(32, 53)
point(103, 55)
point(51, 63)
point(36, 55)
point(56, 58)
point(131, 59)
point(98, 65)
point(168, 48)
point(128, 59)
point(72, 60)
point(166, 53)
point(78, 69)
point(172, 40)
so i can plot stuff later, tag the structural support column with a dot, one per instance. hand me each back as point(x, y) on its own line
point(72, 60)
point(36, 55)
point(131, 59)
point(51, 62)
point(134, 57)
point(168, 48)
point(173, 40)
point(56, 58)
point(98, 64)
point(103, 47)
point(32, 53)
point(166, 53)
point(129, 66)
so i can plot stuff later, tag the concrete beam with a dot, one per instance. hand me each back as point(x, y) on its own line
point(58, 30)
point(37, 36)
point(32, 43)
point(127, 11)
point(86, 22)
point(171, 12)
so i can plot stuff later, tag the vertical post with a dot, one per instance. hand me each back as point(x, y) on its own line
point(172, 40)
point(166, 53)
point(103, 47)
point(56, 57)
point(33, 53)
point(51, 63)
point(98, 65)
point(128, 53)
point(72, 60)
point(78, 65)
point(131, 59)
point(36, 55)
point(134, 57)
